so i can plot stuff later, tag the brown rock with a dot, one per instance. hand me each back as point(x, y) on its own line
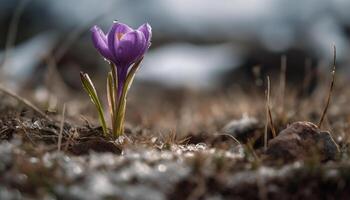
point(302, 140)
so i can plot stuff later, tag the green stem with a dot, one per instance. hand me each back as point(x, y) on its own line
point(120, 115)
point(111, 99)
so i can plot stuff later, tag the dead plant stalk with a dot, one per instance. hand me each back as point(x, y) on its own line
point(61, 127)
point(24, 101)
point(330, 89)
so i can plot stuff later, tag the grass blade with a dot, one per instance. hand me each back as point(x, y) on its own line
point(324, 113)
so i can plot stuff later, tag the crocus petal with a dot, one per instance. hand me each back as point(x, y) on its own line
point(147, 31)
point(99, 40)
point(130, 48)
point(115, 33)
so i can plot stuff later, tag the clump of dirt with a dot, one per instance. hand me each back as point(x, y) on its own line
point(34, 130)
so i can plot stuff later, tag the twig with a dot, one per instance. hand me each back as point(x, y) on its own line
point(228, 135)
point(272, 127)
point(25, 102)
point(265, 130)
point(61, 127)
point(330, 88)
point(250, 148)
point(26, 133)
point(13, 28)
point(69, 141)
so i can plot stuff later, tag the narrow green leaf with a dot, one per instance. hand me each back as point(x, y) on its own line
point(90, 89)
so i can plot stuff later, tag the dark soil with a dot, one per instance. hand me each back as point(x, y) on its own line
point(175, 148)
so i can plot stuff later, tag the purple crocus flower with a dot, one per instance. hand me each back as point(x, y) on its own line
point(122, 46)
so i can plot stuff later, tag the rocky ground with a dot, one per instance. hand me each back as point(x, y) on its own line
point(182, 145)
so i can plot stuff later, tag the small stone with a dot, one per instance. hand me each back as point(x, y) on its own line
point(302, 140)
point(243, 129)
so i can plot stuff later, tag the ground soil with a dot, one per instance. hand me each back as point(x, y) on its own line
point(173, 148)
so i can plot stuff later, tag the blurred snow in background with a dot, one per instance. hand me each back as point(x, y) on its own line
point(25, 57)
point(227, 31)
point(188, 65)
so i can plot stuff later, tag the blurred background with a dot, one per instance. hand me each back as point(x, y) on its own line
point(197, 44)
